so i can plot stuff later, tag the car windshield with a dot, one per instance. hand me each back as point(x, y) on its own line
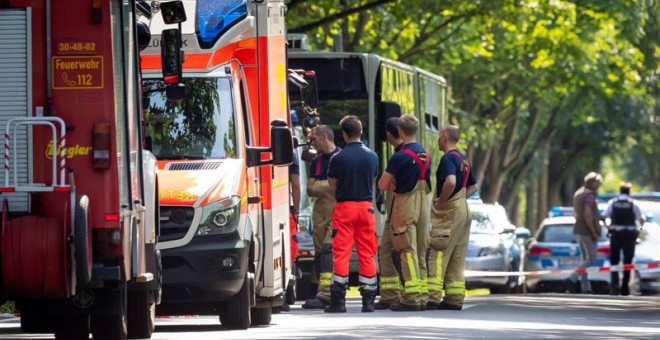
point(199, 126)
point(562, 233)
point(481, 224)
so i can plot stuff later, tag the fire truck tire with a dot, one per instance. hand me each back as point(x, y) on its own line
point(141, 315)
point(71, 328)
point(83, 241)
point(5, 212)
point(236, 312)
point(261, 316)
point(35, 258)
point(112, 327)
point(34, 317)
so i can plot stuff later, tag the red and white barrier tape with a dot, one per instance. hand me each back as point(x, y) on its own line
point(618, 268)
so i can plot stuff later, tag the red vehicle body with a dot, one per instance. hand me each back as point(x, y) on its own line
point(80, 204)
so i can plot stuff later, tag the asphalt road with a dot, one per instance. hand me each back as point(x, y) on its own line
point(545, 316)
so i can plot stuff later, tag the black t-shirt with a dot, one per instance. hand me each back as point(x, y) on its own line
point(320, 170)
point(454, 163)
point(405, 169)
point(354, 168)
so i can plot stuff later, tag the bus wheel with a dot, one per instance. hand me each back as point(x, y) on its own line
point(141, 314)
point(235, 313)
point(112, 326)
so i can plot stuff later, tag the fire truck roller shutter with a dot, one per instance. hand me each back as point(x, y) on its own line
point(15, 92)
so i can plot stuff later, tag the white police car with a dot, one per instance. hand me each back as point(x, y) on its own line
point(554, 246)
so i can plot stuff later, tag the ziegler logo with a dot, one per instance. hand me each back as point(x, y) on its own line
point(69, 151)
point(178, 195)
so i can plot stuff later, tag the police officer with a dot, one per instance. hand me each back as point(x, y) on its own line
point(323, 140)
point(407, 176)
point(389, 284)
point(450, 222)
point(353, 172)
point(624, 213)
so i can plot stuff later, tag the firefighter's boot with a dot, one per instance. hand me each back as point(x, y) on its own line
point(337, 301)
point(368, 297)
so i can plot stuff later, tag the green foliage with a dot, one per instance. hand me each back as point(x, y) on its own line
point(579, 75)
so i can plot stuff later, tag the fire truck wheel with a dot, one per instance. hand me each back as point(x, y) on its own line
point(261, 316)
point(235, 313)
point(141, 315)
point(83, 241)
point(5, 212)
point(71, 328)
point(112, 326)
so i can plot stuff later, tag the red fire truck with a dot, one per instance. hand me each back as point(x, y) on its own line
point(79, 193)
point(222, 154)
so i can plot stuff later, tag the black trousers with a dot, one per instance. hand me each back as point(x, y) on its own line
point(622, 241)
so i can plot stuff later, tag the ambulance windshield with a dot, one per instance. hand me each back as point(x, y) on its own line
point(200, 126)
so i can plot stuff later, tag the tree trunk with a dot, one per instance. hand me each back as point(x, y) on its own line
point(543, 182)
point(531, 221)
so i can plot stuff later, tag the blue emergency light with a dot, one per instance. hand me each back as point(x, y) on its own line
point(557, 211)
point(215, 17)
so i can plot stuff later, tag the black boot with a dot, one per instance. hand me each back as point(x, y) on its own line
point(368, 297)
point(337, 301)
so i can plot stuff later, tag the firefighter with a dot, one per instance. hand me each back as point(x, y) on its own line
point(624, 214)
point(389, 283)
point(450, 221)
point(323, 140)
point(353, 172)
point(407, 177)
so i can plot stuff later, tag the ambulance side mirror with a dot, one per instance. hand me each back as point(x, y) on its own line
point(172, 64)
point(281, 144)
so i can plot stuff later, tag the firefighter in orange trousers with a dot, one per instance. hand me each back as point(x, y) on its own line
point(408, 176)
point(389, 283)
point(323, 140)
point(450, 222)
point(352, 173)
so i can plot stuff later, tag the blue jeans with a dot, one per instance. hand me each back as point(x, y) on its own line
point(588, 251)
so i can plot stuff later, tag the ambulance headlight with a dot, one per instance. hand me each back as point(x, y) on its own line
point(215, 17)
point(220, 217)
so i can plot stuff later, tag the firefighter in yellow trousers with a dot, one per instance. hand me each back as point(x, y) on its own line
point(322, 138)
point(408, 176)
point(389, 284)
point(450, 220)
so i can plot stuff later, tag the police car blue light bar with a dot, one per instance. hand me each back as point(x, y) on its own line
point(214, 17)
point(557, 211)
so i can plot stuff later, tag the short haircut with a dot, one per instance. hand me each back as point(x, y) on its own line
point(593, 177)
point(325, 130)
point(625, 187)
point(351, 125)
point(452, 132)
point(409, 124)
point(392, 126)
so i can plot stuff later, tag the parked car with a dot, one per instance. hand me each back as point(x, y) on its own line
point(493, 246)
point(555, 247)
point(648, 250)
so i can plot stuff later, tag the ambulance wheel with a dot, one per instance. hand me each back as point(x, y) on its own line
point(141, 315)
point(261, 316)
point(71, 327)
point(112, 326)
point(236, 312)
point(83, 241)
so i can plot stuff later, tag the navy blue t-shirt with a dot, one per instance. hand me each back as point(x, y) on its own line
point(321, 173)
point(405, 169)
point(354, 168)
point(453, 163)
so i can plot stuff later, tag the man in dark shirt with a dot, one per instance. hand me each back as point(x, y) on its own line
point(624, 214)
point(389, 283)
point(408, 176)
point(450, 222)
point(323, 140)
point(352, 173)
